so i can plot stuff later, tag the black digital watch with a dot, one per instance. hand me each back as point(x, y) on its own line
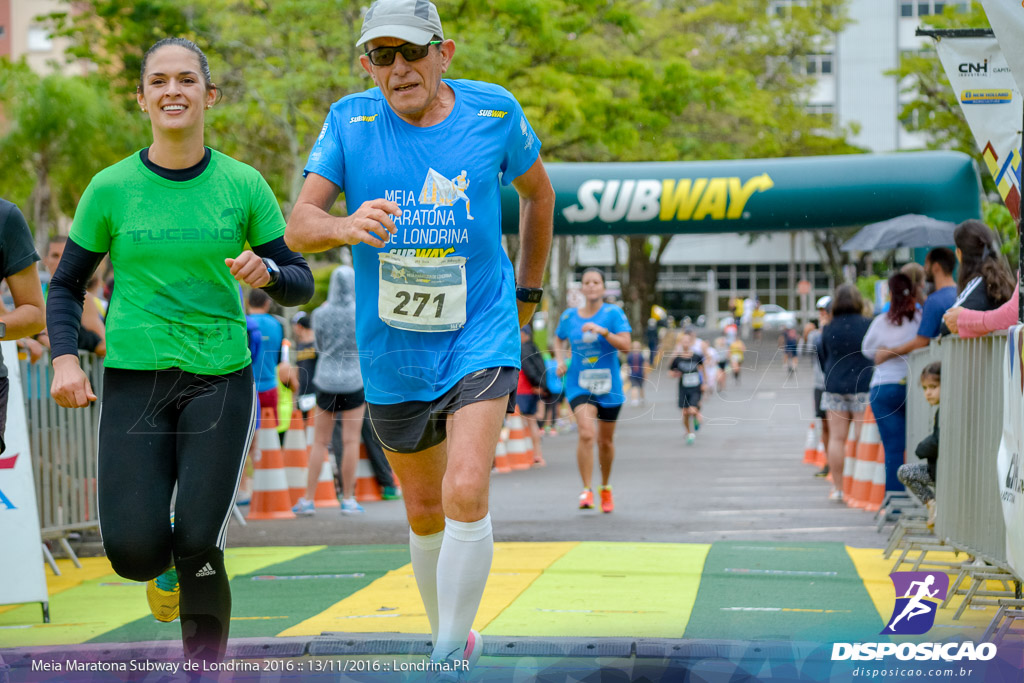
point(529, 295)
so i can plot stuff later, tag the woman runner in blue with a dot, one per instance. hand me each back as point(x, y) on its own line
point(596, 333)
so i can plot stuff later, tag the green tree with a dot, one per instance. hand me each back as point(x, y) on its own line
point(60, 132)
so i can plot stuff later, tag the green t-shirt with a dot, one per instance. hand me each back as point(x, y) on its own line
point(175, 303)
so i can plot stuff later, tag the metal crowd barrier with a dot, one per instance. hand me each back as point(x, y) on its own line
point(63, 443)
point(970, 514)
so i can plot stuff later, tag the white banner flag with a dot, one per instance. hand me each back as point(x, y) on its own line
point(21, 562)
point(1011, 450)
point(1006, 17)
point(991, 103)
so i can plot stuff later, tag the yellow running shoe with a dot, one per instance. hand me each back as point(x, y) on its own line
point(162, 594)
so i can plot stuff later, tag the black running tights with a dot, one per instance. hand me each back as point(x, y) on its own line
point(161, 428)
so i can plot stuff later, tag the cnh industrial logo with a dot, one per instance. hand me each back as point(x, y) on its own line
point(918, 596)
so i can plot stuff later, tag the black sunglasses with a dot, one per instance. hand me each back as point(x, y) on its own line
point(385, 56)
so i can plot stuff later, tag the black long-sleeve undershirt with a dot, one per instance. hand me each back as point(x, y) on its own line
point(66, 296)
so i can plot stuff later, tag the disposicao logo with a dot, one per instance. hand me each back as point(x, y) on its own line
point(918, 595)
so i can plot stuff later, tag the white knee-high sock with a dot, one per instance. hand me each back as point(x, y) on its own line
point(462, 570)
point(424, 551)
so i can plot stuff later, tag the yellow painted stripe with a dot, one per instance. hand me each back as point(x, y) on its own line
point(874, 573)
point(106, 601)
point(71, 576)
point(392, 603)
point(609, 589)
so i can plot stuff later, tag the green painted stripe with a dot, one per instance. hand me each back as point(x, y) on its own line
point(800, 591)
point(262, 608)
point(609, 589)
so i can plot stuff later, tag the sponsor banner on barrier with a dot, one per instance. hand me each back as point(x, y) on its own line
point(991, 102)
point(21, 562)
point(1011, 447)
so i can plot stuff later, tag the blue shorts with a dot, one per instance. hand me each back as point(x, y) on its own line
point(527, 403)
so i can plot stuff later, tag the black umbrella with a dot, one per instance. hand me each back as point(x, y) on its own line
point(910, 230)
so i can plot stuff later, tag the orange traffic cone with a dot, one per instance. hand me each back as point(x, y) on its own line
point(367, 488)
point(877, 495)
point(821, 457)
point(849, 462)
point(296, 457)
point(871, 452)
point(501, 459)
point(270, 499)
point(810, 446)
point(325, 495)
point(520, 447)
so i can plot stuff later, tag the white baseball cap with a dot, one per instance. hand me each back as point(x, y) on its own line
point(414, 21)
point(824, 303)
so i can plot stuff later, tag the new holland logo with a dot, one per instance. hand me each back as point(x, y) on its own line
point(918, 595)
point(986, 96)
point(207, 570)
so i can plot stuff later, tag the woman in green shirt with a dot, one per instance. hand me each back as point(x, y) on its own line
point(179, 404)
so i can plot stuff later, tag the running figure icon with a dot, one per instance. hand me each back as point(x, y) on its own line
point(916, 606)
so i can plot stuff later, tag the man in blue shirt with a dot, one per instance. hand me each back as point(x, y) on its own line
point(438, 308)
point(938, 267)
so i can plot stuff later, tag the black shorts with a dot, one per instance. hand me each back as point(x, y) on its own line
point(527, 403)
point(335, 403)
point(722, 365)
point(690, 398)
point(818, 412)
point(604, 413)
point(415, 426)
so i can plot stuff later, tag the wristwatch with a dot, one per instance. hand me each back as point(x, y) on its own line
point(273, 270)
point(529, 295)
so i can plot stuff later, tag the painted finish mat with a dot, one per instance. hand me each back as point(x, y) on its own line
point(270, 598)
point(94, 604)
point(791, 592)
point(610, 589)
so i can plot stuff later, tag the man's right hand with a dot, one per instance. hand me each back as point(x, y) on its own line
point(70, 386)
point(371, 224)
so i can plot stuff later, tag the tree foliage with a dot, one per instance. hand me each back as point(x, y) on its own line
point(600, 80)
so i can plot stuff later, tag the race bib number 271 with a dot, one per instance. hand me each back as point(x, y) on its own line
point(422, 294)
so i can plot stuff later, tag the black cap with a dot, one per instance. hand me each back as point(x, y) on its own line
point(304, 319)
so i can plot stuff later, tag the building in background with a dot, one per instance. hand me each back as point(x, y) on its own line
point(23, 34)
point(852, 89)
point(701, 274)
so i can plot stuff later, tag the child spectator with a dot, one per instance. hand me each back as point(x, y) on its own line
point(920, 477)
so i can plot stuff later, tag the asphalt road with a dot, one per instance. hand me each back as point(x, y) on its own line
point(744, 479)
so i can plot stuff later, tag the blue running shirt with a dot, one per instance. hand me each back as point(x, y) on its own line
point(446, 288)
point(592, 356)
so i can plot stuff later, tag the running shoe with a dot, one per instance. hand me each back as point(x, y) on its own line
point(690, 439)
point(696, 423)
point(836, 495)
point(391, 493)
point(607, 503)
point(162, 594)
point(304, 508)
point(823, 472)
point(456, 674)
point(349, 506)
point(552, 432)
point(587, 500)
